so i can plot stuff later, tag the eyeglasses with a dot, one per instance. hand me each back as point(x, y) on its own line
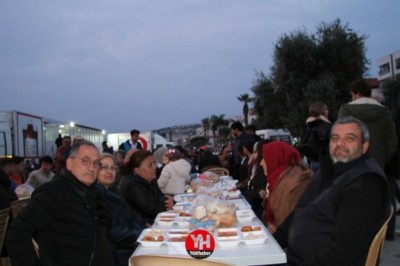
point(86, 161)
point(108, 168)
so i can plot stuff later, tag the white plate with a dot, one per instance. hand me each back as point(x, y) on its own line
point(227, 237)
point(254, 238)
point(154, 234)
point(227, 234)
point(234, 194)
point(245, 215)
point(250, 228)
point(166, 218)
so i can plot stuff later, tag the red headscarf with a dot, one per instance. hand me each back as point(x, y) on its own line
point(278, 156)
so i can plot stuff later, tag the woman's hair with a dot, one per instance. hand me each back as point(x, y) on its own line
point(317, 109)
point(174, 155)
point(137, 158)
point(249, 144)
point(107, 155)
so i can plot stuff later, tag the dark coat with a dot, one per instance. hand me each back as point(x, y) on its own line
point(208, 160)
point(144, 198)
point(382, 131)
point(68, 221)
point(124, 230)
point(7, 193)
point(335, 222)
point(317, 139)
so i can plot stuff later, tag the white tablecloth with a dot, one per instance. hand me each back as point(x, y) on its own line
point(266, 254)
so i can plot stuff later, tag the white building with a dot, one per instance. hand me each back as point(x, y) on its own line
point(389, 67)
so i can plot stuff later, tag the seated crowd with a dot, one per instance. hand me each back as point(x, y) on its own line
point(97, 204)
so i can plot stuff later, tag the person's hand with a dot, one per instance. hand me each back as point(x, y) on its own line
point(263, 194)
point(271, 228)
point(169, 202)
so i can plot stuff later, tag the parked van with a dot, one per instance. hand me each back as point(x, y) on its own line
point(276, 134)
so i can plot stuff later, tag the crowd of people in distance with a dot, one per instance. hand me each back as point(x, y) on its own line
point(323, 199)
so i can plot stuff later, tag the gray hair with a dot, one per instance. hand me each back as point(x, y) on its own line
point(351, 119)
point(107, 155)
point(75, 147)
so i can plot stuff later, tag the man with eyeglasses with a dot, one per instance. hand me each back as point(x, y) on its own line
point(65, 217)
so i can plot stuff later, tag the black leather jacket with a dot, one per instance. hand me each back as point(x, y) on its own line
point(65, 217)
point(144, 198)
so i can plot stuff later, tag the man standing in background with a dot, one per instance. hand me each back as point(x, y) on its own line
point(131, 143)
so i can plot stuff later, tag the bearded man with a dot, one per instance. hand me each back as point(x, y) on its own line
point(343, 207)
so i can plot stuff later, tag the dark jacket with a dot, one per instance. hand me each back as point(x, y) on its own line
point(337, 225)
point(252, 194)
point(318, 132)
point(126, 145)
point(68, 221)
point(382, 131)
point(144, 198)
point(208, 160)
point(124, 230)
point(7, 193)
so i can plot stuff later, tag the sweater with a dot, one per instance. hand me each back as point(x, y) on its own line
point(174, 177)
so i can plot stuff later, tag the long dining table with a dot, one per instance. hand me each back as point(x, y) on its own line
point(267, 253)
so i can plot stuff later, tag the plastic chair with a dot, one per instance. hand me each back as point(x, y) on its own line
point(17, 206)
point(161, 260)
point(5, 211)
point(217, 170)
point(376, 246)
point(3, 230)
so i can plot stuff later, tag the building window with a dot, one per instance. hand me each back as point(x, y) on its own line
point(397, 63)
point(384, 69)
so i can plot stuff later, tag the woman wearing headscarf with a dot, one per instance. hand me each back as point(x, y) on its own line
point(278, 157)
point(161, 156)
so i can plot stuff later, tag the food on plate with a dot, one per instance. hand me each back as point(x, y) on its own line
point(166, 216)
point(153, 238)
point(184, 214)
point(227, 233)
point(248, 228)
point(178, 232)
point(251, 236)
point(177, 238)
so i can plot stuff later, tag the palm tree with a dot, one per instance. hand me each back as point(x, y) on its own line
point(245, 99)
point(216, 122)
point(206, 125)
